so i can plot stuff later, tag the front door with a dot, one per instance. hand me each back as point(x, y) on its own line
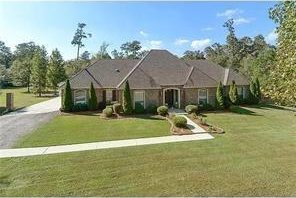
point(172, 98)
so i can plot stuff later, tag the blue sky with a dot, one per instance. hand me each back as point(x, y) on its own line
point(176, 26)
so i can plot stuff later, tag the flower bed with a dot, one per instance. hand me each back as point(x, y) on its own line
point(202, 122)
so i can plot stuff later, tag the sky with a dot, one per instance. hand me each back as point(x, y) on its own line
point(175, 26)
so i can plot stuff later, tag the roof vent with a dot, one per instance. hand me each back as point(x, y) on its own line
point(117, 70)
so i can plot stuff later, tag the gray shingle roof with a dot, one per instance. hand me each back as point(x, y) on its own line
point(158, 68)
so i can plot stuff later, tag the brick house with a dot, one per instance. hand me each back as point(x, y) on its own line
point(159, 78)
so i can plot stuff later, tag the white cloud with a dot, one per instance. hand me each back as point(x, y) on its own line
point(241, 20)
point(145, 34)
point(155, 44)
point(181, 41)
point(200, 44)
point(230, 13)
point(271, 37)
point(207, 29)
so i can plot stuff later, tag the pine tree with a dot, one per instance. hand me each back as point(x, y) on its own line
point(39, 70)
point(56, 72)
point(233, 94)
point(93, 102)
point(127, 100)
point(67, 98)
point(219, 96)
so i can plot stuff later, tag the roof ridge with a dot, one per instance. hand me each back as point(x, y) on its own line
point(86, 69)
point(206, 74)
point(190, 73)
point(130, 73)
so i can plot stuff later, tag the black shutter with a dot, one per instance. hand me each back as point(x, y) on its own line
point(104, 95)
point(113, 95)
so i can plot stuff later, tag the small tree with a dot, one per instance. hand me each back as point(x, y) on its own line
point(93, 102)
point(67, 102)
point(233, 95)
point(258, 90)
point(219, 96)
point(127, 100)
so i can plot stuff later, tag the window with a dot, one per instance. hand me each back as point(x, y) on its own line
point(139, 98)
point(240, 91)
point(80, 97)
point(202, 96)
point(109, 95)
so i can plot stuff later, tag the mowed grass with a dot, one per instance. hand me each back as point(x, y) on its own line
point(74, 128)
point(21, 97)
point(255, 157)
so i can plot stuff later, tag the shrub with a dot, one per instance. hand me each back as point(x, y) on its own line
point(179, 121)
point(233, 95)
point(68, 102)
point(108, 112)
point(226, 102)
point(139, 108)
point(117, 108)
point(191, 109)
point(206, 107)
point(93, 102)
point(162, 110)
point(102, 105)
point(203, 121)
point(152, 109)
point(219, 96)
point(80, 107)
point(127, 100)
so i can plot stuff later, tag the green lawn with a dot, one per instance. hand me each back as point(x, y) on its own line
point(255, 157)
point(71, 129)
point(21, 98)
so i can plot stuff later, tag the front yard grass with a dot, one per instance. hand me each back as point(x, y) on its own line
point(255, 157)
point(21, 98)
point(83, 128)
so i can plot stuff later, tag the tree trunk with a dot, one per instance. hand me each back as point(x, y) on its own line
point(78, 52)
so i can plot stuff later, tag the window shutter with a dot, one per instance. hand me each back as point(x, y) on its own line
point(113, 95)
point(104, 95)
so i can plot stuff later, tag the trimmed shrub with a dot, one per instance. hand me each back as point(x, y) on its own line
point(191, 109)
point(162, 110)
point(233, 95)
point(139, 108)
point(180, 121)
point(80, 107)
point(108, 112)
point(219, 96)
point(117, 108)
point(93, 102)
point(102, 105)
point(67, 102)
point(127, 100)
point(151, 109)
point(206, 107)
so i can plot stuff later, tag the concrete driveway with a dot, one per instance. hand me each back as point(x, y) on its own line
point(16, 124)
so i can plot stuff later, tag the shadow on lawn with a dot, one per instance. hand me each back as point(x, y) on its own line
point(272, 106)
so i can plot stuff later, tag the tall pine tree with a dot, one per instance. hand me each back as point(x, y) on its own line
point(56, 72)
point(39, 70)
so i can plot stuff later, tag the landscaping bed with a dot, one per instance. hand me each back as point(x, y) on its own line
point(202, 122)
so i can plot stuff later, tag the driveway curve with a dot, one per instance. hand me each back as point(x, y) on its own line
point(19, 123)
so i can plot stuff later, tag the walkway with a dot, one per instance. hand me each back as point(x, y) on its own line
point(19, 123)
point(5, 153)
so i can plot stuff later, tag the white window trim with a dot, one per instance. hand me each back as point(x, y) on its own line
point(198, 95)
point(144, 97)
point(109, 90)
point(84, 95)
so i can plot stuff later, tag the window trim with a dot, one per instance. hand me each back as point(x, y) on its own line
point(85, 96)
point(110, 91)
point(144, 98)
point(207, 95)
